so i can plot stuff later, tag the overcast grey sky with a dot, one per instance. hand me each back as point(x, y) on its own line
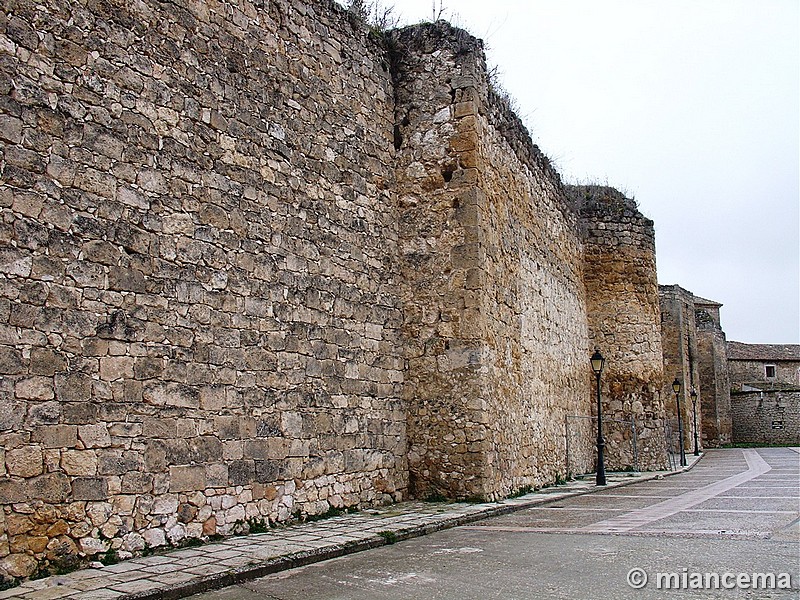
point(690, 106)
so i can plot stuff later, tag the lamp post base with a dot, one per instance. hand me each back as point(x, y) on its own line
point(601, 464)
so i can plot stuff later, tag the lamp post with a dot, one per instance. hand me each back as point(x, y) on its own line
point(676, 387)
point(694, 418)
point(597, 366)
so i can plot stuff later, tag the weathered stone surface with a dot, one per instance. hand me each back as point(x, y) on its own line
point(230, 293)
point(35, 388)
point(94, 435)
point(46, 362)
point(61, 548)
point(56, 436)
point(79, 462)
point(12, 491)
point(91, 546)
point(25, 462)
point(165, 505)
point(18, 565)
point(89, 488)
point(10, 360)
point(620, 270)
point(15, 262)
point(153, 538)
point(185, 479)
point(116, 367)
point(50, 487)
point(73, 387)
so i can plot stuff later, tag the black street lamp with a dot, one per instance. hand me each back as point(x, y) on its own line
point(694, 418)
point(676, 387)
point(597, 366)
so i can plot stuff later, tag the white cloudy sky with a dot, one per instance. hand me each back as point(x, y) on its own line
point(692, 107)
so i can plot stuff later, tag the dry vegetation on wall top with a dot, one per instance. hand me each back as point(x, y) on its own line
point(376, 15)
point(383, 20)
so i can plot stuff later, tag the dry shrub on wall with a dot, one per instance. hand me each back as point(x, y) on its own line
point(374, 13)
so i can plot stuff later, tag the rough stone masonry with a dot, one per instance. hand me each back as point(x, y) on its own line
point(259, 261)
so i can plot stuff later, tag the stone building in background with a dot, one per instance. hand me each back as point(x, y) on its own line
point(747, 393)
point(765, 393)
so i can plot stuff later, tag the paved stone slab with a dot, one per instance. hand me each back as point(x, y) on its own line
point(756, 466)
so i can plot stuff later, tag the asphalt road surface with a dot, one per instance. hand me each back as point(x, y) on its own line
point(729, 528)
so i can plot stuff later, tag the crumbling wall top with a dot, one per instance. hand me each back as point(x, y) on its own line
point(595, 200)
point(495, 105)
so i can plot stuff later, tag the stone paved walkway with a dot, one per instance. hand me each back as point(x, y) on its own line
point(633, 520)
point(181, 573)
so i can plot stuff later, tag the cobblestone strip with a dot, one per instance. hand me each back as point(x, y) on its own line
point(757, 466)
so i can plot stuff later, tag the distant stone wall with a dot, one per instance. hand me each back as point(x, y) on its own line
point(753, 372)
point(766, 417)
point(679, 341)
point(198, 318)
point(624, 321)
point(715, 387)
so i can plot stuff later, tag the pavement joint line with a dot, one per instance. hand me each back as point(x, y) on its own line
point(308, 544)
point(756, 466)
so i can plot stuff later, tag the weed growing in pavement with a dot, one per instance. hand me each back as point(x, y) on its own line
point(390, 537)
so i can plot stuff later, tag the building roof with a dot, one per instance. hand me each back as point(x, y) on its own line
point(740, 351)
point(704, 302)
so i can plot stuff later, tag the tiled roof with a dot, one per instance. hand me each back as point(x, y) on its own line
point(740, 351)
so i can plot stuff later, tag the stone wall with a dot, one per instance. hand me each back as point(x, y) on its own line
point(753, 372)
point(679, 341)
point(624, 321)
point(259, 262)
point(440, 269)
point(537, 348)
point(765, 408)
point(715, 389)
point(769, 417)
point(496, 317)
point(198, 318)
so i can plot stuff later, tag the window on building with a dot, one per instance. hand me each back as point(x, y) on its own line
point(769, 370)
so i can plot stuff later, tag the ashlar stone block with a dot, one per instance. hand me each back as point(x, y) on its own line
point(35, 388)
point(79, 462)
point(56, 436)
point(94, 435)
point(90, 488)
point(187, 479)
point(25, 462)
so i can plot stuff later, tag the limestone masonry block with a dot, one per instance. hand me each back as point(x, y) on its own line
point(286, 264)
